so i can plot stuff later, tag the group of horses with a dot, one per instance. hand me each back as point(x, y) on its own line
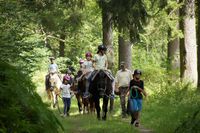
point(100, 87)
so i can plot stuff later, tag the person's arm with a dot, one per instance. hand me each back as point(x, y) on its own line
point(49, 69)
point(84, 70)
point(141, 89)
point(106, 62)
point(94, 62)
point(61, 87)
point(57, 68)
point(128, 93)
point(79, 78)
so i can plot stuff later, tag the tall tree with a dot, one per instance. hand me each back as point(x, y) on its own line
point(125, 51)
point(108, 34)
point(188, 47)
point(127, 14)
point(198, 38)
point(173, 44)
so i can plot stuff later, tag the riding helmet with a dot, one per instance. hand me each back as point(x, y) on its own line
point(67, 77)
point(137, 72)
point(88, 54)
point(102, 47)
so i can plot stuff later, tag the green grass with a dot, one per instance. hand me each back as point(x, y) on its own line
point(165, 111)
point(88, 123)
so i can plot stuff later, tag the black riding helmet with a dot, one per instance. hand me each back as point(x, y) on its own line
point(102, 47)
point(137, 72)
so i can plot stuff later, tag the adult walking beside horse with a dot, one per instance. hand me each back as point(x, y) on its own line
point(122, 80)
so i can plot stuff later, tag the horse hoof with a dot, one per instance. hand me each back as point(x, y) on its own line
point(81, 112)
point(104, 118)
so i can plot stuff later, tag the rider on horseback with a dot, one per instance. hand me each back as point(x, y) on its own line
point(87, 70)
point(52, 69)
point(100, 59)
point(100, 62)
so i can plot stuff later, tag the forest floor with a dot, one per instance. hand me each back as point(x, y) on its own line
point(88, 123)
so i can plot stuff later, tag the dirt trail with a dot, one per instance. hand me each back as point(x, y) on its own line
point(142, 129)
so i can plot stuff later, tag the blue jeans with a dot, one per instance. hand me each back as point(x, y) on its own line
point(67, 103)
point(135, 105)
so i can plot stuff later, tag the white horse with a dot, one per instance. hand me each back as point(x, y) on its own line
point(53, 89)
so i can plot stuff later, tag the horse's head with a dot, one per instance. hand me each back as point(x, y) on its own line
point(54, 81)
point(102, 83)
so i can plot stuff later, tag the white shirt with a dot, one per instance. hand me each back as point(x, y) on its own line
point(88, 66)
point(53, 68)
point(65, 90)
point(123, 78)
point(100, 61)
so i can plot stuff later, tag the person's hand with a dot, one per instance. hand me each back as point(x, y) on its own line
point(135, 87)
point(145, 94)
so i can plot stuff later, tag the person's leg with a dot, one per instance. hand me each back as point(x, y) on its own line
point(87, 84)
point(137, 114)
point(122, 101)
point(68, 105)
point(133, 109)
point(65, 105)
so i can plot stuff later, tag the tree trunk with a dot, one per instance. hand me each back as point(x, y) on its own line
point(108, 36)
point(62, 46)
point(188, 46)
point(173, 54)
point(173, 51)
point(198, 38)
point(125, 52)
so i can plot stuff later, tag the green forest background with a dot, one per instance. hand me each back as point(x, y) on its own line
point(34, 30)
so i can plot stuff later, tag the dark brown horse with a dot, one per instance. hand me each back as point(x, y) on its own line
point(101, 87)
point(79, 87)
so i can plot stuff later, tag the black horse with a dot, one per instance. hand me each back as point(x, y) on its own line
point(101, 87)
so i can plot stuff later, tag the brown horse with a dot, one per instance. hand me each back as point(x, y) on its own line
point(53, 83)
point(85, 104)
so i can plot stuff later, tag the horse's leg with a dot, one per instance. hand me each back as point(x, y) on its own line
point(97, 106)
point(54, 99)
point(49, 94)
point(84, 105)
point(87, 105)
point(111, 104)
point(90, 105)
point(105, 107)
point(79, 102)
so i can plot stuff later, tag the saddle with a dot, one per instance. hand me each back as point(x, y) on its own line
point(109, 75)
